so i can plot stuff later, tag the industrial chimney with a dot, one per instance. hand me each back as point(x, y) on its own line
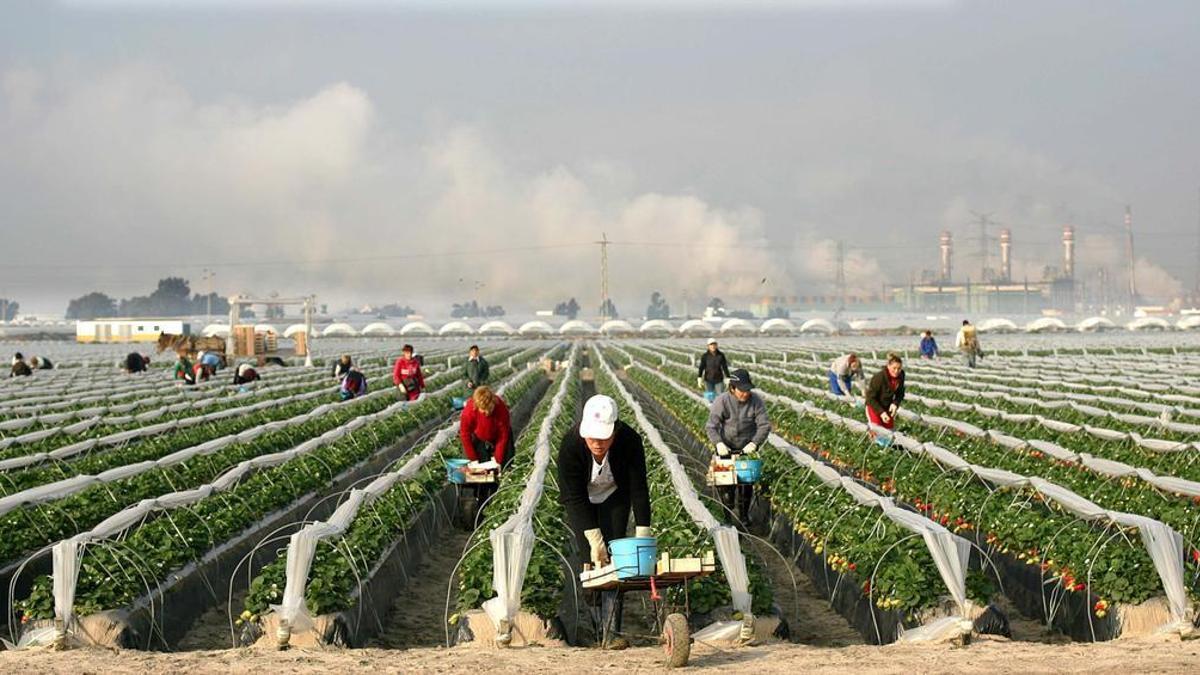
point(947, 252)
point(1005, 254)
point(1068, 240)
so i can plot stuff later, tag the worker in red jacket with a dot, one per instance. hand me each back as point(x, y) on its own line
point(485, 427)
point(407, 374)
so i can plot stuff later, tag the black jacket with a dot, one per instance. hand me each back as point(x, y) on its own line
point(714, 367)
point(626, 458)
point(880, 395)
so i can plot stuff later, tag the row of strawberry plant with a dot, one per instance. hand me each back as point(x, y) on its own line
point(1184, 464)
point(1104, 560)
point(677, 532)
point(541, 592)
point(164, 544)
point(25, 530)
point(883, 559)
point(336, 570)
point(93, 458)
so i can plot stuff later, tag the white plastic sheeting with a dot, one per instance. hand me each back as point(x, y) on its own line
point(949, 551)
point(302, 545)
point(117, 438)
point(512, 542)
point(1163, 544)
point(725, 537)
point(67, 575)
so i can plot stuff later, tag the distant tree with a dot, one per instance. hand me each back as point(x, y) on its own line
point(9, 308)
point(777, 312)
point(493, 311)
point(200, 304)
point(94, 305)
point(465, 310)
point(716, 304)
point(658, 309)
point(395, 309)
point(569, 309)
point(608, 309)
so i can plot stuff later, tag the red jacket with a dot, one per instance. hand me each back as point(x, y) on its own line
point(495, 428)
point(409, 369)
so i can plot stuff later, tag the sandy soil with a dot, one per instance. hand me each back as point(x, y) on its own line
point(417, 616)
point(985, 656)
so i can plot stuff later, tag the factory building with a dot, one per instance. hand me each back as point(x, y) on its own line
point(998, 292)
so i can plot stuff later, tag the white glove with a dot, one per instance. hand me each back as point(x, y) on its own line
point(402, 388)
point(722, 450)
point(599, 550)
point(750, 448)
point(643, 531)
point(885, 418)
point(892, 409)
point(700, 382)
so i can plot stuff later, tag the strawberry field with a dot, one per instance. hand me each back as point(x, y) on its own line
point(1052, 491)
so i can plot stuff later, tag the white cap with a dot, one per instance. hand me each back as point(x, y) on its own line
point(599, 417)
point(712, 341)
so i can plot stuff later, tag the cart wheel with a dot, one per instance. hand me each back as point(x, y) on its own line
point(677, 643)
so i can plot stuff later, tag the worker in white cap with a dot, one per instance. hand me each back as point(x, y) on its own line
point(601, 479)
point(713, 369)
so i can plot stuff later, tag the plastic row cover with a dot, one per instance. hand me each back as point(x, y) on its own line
point(1163, 420)
point(302, 546)
point(725, 538)
point(1153, 444)
point(64, 583)
point(75, 484)
point(512, 542)
point(950, 552)
point(1163, 544)
point(147, 416)
point(170, 401)
point(68, 451)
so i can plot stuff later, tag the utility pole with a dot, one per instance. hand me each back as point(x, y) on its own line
point(840, 277)
point(1129, 251)
point(208, 275)
point(1196, 291)
point(604, 242)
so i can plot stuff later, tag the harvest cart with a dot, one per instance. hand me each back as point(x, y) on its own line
point(473, 487)
point(733, 480)
point(606, 595)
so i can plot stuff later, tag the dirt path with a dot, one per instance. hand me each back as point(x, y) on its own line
point(987, 656)
point(812, 620)
point(417, 617)
point(211, 630)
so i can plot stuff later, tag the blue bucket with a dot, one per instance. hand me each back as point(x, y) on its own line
point(454, 469)
point(634, 556)
point(458, 402)
point(710, 396)
point(748, 470)
point(883, 441)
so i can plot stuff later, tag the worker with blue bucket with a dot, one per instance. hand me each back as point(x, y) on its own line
point(737, 427)
point(601, 481)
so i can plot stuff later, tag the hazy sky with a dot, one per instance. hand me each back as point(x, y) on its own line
point(384, 151)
